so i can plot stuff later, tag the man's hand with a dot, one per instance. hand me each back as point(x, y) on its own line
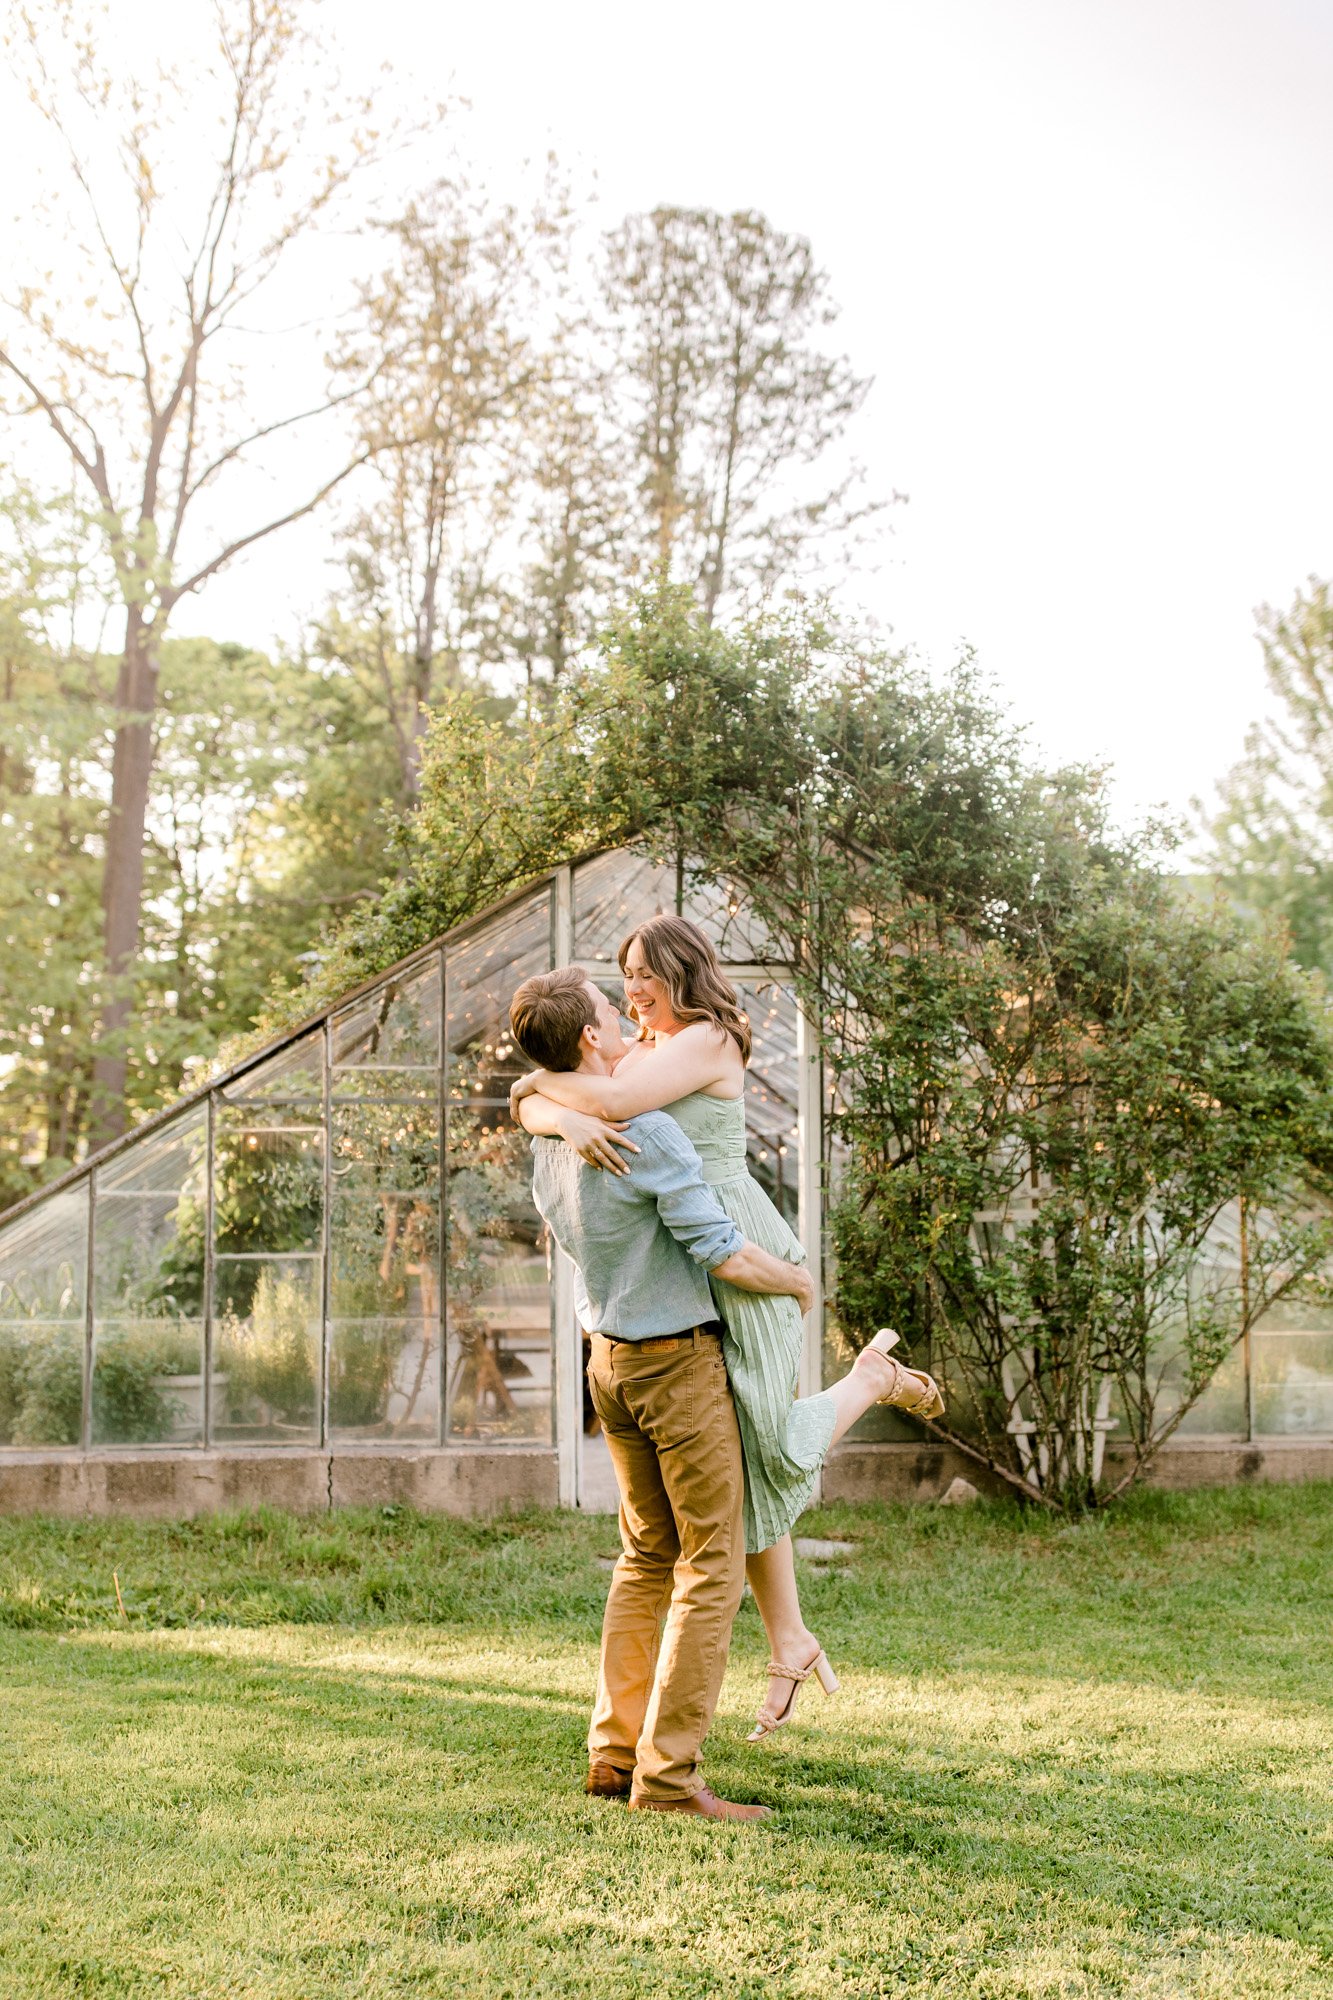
point(596, 1139)
point(526, 1086)
point(754, 1270)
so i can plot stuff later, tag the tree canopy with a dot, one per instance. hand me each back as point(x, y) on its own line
point(473, 408)
point(1270, 833)
point(1053, 1080)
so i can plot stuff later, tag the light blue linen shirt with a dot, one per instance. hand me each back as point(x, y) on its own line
point(642, 1243)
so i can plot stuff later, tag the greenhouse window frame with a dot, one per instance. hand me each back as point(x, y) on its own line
point(556, 908)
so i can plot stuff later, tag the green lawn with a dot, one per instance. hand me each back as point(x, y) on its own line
point(342, 1757)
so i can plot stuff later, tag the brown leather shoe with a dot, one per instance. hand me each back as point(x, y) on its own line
point(605, 1782)
point(703, 1804)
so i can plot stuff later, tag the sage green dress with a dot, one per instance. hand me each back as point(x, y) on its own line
point(785, 1442)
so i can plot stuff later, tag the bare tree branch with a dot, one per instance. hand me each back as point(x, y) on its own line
point(94, 468)
point(234, 450)
point(177, 591)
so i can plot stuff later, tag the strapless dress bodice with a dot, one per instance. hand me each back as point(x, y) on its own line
point(715, 1127)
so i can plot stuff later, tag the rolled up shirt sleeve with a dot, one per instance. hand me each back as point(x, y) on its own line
point(669, 1170)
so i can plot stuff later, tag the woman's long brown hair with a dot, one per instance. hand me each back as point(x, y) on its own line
point(678, 954)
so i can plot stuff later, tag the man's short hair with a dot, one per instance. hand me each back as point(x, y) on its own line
point(548, 1015)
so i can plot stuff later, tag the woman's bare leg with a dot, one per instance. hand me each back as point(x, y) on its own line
point(772, 1573)
point(772, 1577)
point(870, 1376)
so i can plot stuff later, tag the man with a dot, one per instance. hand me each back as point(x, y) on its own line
point(643, 1243)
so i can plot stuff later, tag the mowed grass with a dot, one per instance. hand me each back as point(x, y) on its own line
point(342, 1757)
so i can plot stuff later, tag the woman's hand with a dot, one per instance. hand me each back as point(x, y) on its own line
point(596, 1140)
point(526, 1086)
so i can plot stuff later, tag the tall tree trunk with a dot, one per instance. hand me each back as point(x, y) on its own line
point(122, 877)
point(418, 694)
point(419, 675)
point(715, 561)
point(62, 1140)
point(421, 666)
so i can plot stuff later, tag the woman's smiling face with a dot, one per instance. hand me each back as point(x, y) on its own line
point(646, 996)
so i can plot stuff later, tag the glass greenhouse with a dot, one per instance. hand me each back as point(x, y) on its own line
point(332, 1249)
point(333, 1245)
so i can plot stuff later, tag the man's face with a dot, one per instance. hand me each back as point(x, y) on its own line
point(610, 1040)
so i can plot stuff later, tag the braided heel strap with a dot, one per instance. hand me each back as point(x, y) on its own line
point(913, 1390)
point(769, 1719)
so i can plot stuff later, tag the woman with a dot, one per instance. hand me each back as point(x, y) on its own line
point(690, 1060)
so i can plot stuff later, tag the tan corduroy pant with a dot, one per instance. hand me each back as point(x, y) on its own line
point(666, 1408)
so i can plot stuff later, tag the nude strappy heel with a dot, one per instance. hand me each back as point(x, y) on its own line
point(769, 1719)
point(913, 1390)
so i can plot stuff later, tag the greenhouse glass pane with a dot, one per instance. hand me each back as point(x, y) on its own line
point(266, 1346)
point(384, 1309)
point(393, 1146)
point(721, 911)
point(268, 1249)
point(268, 1188)
point(386, 1086)
point(288, 1081)
point(1293, 1381)
point(384, 1379)
point(1220, 1411)
point(498, 1289)
point(384, 1222)
point(615, 891)
point(1214, 1282)
point(148, 1289)
point(393, 1030)
point(385, 1256)
point(612, 893)
point(43, 1273)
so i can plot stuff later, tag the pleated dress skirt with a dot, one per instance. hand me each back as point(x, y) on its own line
point(784, 1442)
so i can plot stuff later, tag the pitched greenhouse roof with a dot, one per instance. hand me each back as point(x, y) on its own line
point(267, 1050)
point(234, 1072)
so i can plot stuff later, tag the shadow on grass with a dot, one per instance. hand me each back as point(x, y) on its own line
point(459, 1756)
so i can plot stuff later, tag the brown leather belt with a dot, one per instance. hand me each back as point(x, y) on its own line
point(668, 1342)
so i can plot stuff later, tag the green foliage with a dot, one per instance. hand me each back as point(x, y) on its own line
point(264, 816)
point(270, 1354)
point(1271, 832)
point(129, 1405)
point(41, 1385)
point(649, 741)
point(1041, 1212)
point(1053, 1085)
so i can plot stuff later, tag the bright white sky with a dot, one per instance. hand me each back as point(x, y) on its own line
point(1082, 245)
